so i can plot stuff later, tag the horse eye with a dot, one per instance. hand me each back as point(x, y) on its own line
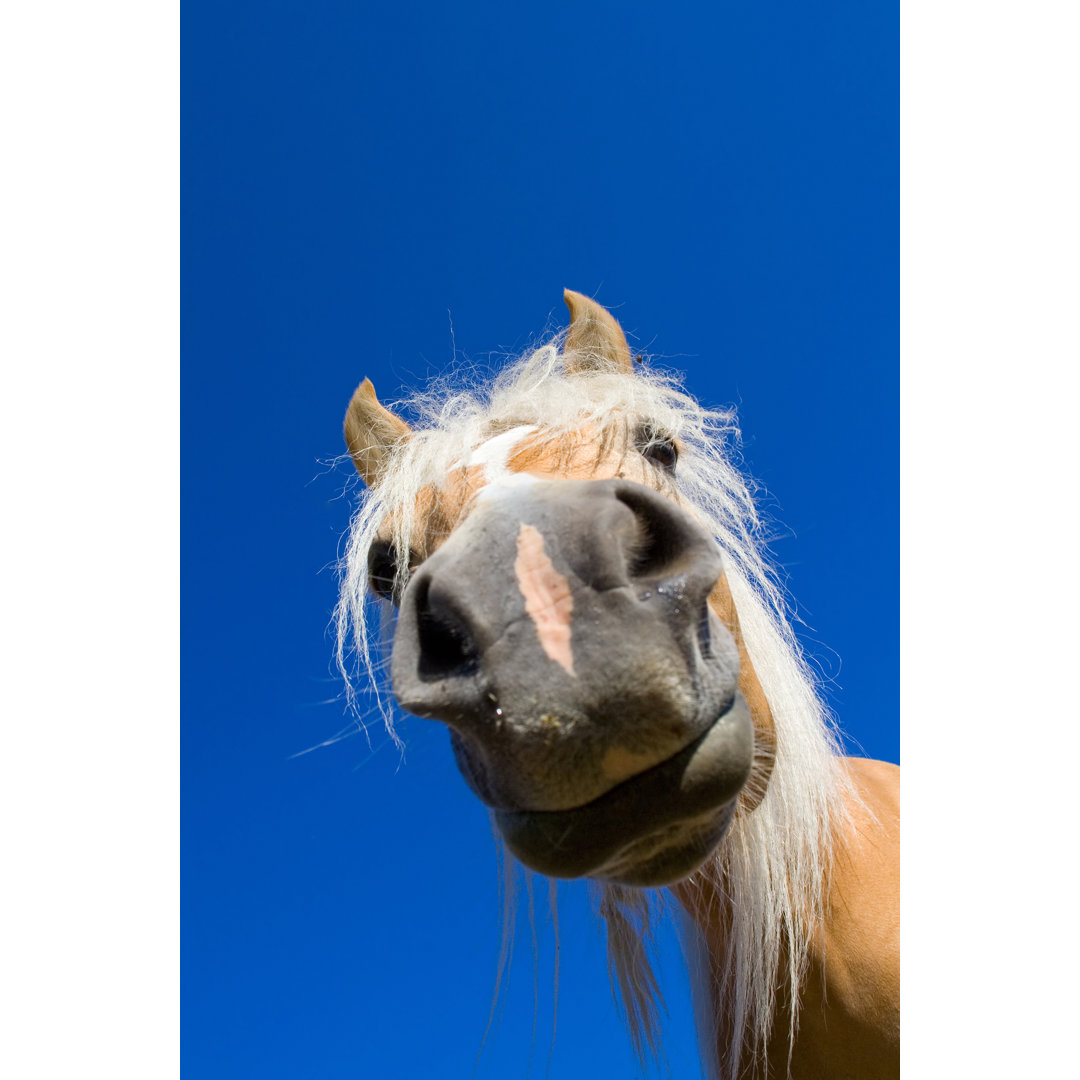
point(658, 448)
point(383, 571)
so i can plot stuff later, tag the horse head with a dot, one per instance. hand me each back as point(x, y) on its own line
point(564, 610)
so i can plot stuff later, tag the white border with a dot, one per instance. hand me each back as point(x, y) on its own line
point(990, 297)
point(90, 299)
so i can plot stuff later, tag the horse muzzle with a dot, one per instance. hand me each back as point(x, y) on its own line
point(563, 632)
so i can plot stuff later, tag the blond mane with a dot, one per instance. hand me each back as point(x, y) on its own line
point(775, 860)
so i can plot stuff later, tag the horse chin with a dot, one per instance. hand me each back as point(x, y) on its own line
point(671, 854)
point(653, 829)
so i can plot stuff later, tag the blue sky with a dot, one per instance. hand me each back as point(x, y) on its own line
point(371, 191)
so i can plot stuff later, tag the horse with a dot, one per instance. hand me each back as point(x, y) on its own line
point(583, 597)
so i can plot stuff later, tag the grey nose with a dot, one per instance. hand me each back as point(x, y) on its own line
point(603, 535)
point(632, 574)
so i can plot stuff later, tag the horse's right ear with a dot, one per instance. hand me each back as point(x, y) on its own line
point(370, 432)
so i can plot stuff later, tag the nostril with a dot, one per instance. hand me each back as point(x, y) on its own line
point(659, 544)
point(446, 647)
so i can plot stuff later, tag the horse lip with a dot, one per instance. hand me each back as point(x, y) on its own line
point(702, 777)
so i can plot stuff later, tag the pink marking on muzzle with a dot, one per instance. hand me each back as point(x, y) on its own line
point(547, 596)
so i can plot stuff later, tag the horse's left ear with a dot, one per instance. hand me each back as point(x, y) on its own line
point(371, 430)
point(595, 340)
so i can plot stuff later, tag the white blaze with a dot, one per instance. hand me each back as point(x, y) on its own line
point(493, 455)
